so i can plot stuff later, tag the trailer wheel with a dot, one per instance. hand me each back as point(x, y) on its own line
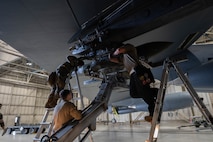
point(45, 138)
point(36, 130)
point(32, 130)
point(53, 138)
point(205, 124)
point(114, 121)
point(24, 130)
point(10, 130)
point(43, 130)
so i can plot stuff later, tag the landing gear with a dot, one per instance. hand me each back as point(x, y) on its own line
point(160, 98)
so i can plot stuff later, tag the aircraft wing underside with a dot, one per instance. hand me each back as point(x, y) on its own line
point(41, 29)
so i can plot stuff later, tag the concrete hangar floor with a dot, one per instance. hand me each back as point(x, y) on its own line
point(169, 131)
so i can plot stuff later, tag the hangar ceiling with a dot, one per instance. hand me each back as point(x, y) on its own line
point(15, 67)
point(207, 37)
point(8, 54)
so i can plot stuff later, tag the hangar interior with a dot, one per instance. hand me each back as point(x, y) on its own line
point(24, 91)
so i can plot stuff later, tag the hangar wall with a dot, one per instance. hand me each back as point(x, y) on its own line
point(23, 90)
point(24, 101)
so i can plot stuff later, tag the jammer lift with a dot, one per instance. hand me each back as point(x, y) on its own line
point(161, 94)
point(73, 128)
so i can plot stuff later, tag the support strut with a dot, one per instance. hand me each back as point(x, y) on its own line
point(202, 107)
point(161, 94)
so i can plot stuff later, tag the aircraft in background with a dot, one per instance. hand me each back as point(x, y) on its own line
point(44, 31)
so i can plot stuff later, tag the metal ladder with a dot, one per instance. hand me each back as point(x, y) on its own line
point(44, 125)
point(160, 98)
